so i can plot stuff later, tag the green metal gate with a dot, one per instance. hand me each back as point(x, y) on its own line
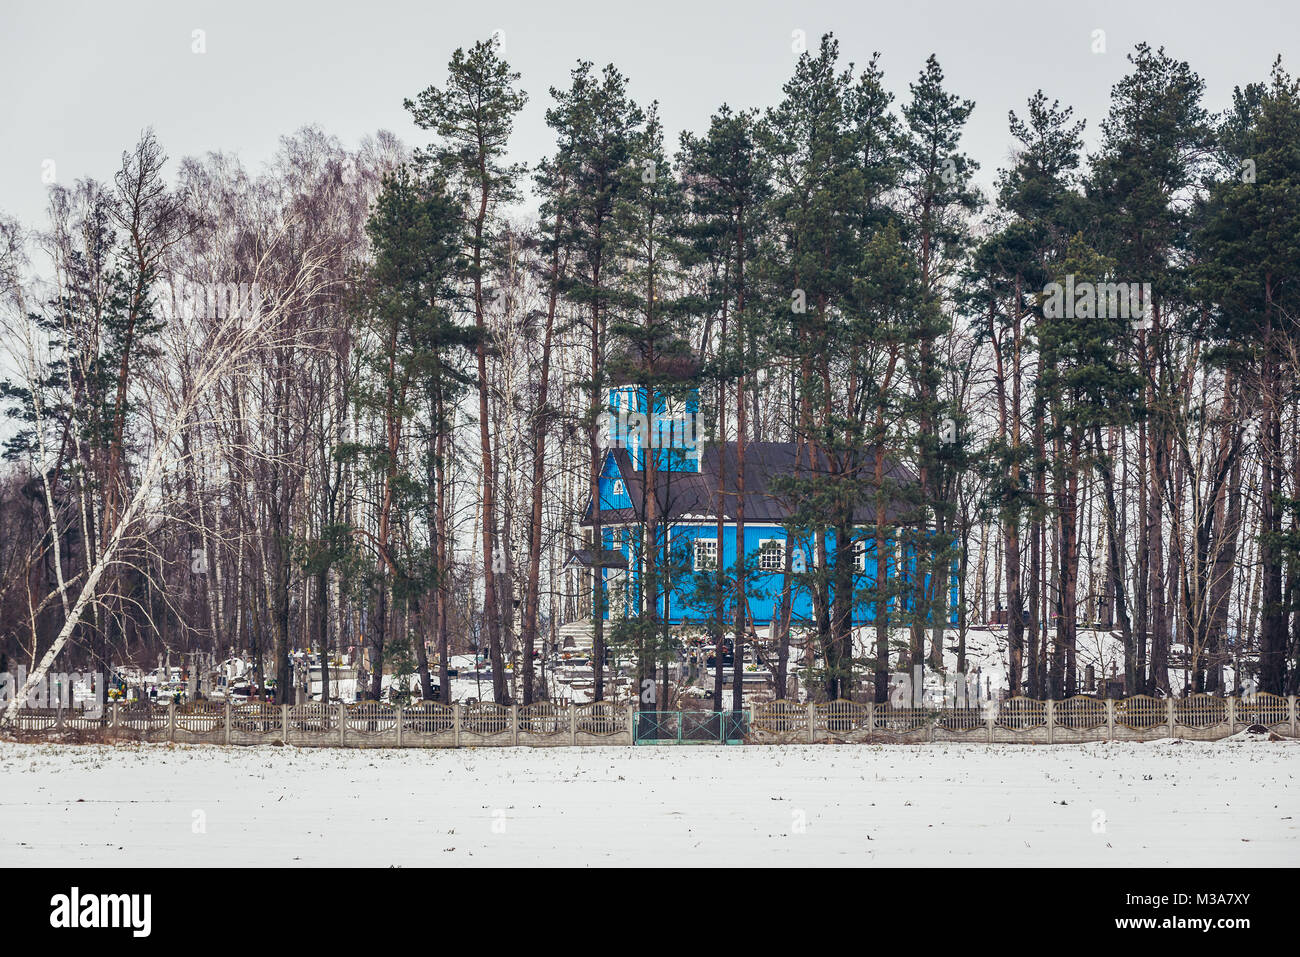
point(691, 727)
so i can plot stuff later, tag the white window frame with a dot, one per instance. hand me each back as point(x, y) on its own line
point(765, 552)
point(619, 487)
point(713, 555)
point(859, 555)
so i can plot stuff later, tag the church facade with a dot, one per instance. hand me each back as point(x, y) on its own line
point(694, 502)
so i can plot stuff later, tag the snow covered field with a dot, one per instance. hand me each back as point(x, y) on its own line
point(1229, 804)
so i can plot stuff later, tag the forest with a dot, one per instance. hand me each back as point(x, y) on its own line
point(353, 401)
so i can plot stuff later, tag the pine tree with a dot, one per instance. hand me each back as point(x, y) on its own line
point(553, 180)
point(847, 294)
point(604, 124)
point(1154, 140)
point(410, 341)
point(939, 201)
point(651, 349)
point(728, 181)
point(1037, 212)
point(473, 115)
point(1086, 383)
point(1251, 247)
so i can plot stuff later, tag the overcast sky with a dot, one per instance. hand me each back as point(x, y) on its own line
point(81, 80)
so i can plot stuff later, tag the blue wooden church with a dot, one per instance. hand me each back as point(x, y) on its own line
point(687, 476)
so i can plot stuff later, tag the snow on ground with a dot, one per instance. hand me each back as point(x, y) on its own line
point(986, 655)
point(1222, 804)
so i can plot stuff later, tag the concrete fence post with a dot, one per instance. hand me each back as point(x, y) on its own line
point(171, 720)
point(812, 723)
point(1110, 719)
point(1050, 711)
point(230, 719)
point(398, 709)
point(989, 719)
point(343, 724)
point(114, 718)
point(631, 723)
point(871, 719)
point(1232, 714)
point(514, 725)
point(284, 722)
point(455, 725)
point(573, 725)
point(1295, 725)
point(1170, 699)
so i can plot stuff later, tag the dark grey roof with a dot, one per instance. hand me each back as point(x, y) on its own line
point(682, 494)
point(610, 559)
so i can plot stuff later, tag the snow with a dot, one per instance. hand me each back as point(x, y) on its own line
point(1255, 737)
point(1103, 650)
point(1223, 804)
point(986, 653)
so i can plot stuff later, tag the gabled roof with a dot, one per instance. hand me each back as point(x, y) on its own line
point(583, 558)
point(686, 495)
